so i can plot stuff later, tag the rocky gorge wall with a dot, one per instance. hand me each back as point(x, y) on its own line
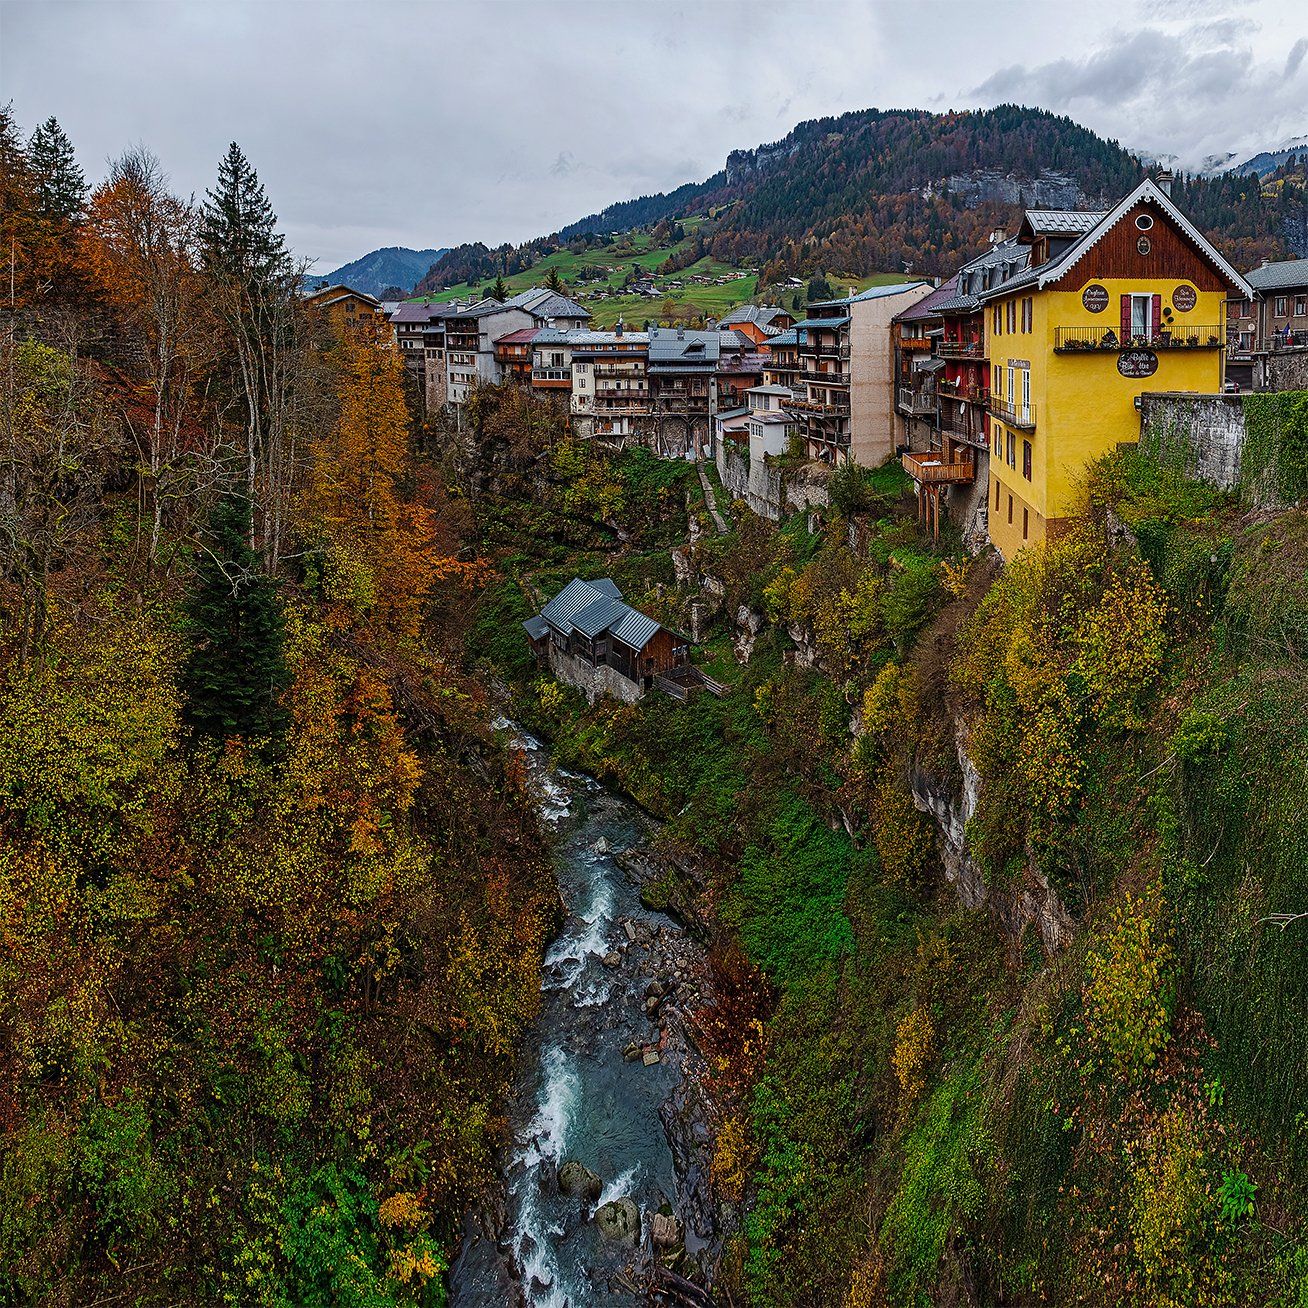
point(768, 490)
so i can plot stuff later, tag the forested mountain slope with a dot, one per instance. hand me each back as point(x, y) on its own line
point(879, 190)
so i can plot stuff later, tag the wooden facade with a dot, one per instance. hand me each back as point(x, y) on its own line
point(1171, 255)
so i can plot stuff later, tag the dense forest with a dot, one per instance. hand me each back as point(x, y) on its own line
point(870, 192)
point(272, 903)
point(1001, 870)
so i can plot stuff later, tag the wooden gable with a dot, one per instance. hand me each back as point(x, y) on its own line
point(1172, 255)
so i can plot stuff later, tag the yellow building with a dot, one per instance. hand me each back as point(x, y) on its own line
point(1109, 306)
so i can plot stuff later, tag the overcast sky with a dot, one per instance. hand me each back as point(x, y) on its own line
point(430, 122)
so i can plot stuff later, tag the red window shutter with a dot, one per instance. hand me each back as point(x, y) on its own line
point(1156, 315)
point(1126, 318)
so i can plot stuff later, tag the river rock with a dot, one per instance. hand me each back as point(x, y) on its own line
point(612, 959)
point(630, 928)
point(578, 1180)
point(632, 1052)
point(602, 846)
point(664, 1230)
point(650, 1057)
point(619, 1221)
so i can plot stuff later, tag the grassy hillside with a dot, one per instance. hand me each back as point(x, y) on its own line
point(595, 277)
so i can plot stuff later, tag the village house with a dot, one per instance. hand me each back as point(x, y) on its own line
point(1109, 306)
point(608, 377)
point(589, 638)
point(949, 390)
point(845, 387)
point(419, 329)
point(345, 309)
point(1264, 328)
point(514, 355)
point(782, 366)
point(760, 322)
point(683, 390)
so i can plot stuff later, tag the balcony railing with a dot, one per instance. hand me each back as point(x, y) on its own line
point(1070, 340)
point(961, 349)
point(829, 378)
point(975, 436)
point(929, 469)
point(1021, 416)
point(916, 403)
point(974, 394)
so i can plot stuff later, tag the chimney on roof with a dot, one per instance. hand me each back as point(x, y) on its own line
point(1164, 182)
point(710, 324)
point(617, 330)
point(681, 333)
point(998, 235)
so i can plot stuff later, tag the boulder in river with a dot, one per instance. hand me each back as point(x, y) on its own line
point(602, 846)
point(619, 1221)
point(578, 1180)
point(612, 959)
point(664, 1230)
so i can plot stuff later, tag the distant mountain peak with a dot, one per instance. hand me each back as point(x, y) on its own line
point(391, 266)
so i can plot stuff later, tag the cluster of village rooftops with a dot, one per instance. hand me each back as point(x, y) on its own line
point(996, 386)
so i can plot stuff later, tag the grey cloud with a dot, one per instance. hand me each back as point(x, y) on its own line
point(1295, 58)
point(428, 124)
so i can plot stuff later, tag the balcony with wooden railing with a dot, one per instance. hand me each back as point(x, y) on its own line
point(1021, 416)
point(931, 469)
point(1089, 340)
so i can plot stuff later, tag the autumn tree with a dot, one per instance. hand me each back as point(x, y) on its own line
point(138, 245)
point(59, 445)
point(235, 671)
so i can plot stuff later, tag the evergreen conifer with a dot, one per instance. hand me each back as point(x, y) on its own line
point(235, 670)
point(238, 228)
point(60, 183)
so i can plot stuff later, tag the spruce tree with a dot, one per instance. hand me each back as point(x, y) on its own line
point(499, 291)
point(60, 183)
point(238, 228)
point(235, 670)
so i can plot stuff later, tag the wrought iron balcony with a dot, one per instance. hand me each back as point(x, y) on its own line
point(1021, 416)
point(1071, 340)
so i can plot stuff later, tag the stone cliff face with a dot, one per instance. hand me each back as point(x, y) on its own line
point(747, 163)
point(1047, 190)
point(1032, 903)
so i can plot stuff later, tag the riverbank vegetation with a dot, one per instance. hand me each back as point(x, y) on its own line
point(272, 900)
point(1000, 873)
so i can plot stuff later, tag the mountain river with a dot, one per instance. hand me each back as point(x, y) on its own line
point(609, 1080)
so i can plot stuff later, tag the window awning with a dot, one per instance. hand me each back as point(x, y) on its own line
point(929, 365)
